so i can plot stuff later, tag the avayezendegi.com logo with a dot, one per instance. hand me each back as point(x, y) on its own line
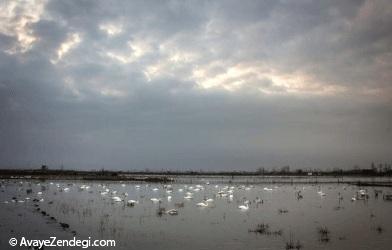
point(54, 242)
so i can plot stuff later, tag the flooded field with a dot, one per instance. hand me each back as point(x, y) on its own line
point(199, 213)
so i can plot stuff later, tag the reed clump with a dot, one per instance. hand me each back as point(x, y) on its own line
point(264, 229)
point(324, 234)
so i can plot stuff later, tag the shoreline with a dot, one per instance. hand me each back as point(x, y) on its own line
point(376, 181)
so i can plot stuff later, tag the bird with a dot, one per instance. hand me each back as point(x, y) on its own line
point(131, 203)
point(321, 193)
point(202, 204)
point(116, 199)
point(172, 212)
point(244, 207)
point(188, 196)
point(82, 187)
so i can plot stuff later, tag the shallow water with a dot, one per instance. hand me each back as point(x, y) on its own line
point(360, 224)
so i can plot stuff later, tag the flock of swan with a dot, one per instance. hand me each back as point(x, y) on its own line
point(165, 193)
point(188, 191)
point(115, 196)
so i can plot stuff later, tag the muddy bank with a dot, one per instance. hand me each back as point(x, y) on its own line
point(19, 220)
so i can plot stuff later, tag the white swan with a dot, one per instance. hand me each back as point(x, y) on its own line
point(83, 187)
point(244, 207)
point(132, 203)
point(155, 200)
point(202, 204)
point(321, 193)
point(172, 212)
point(116, 199)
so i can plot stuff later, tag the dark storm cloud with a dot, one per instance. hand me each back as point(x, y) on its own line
point(195, 84)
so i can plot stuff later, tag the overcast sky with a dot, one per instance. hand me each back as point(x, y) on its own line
point(212, 85)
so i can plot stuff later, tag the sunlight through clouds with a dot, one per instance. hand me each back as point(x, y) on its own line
point(111, 29)
point(16, 18)
point(72, 41)
point(135, 49)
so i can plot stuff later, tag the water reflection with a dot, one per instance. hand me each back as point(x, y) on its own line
point(209, 213)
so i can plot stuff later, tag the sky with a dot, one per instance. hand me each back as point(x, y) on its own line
point(210, 85)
